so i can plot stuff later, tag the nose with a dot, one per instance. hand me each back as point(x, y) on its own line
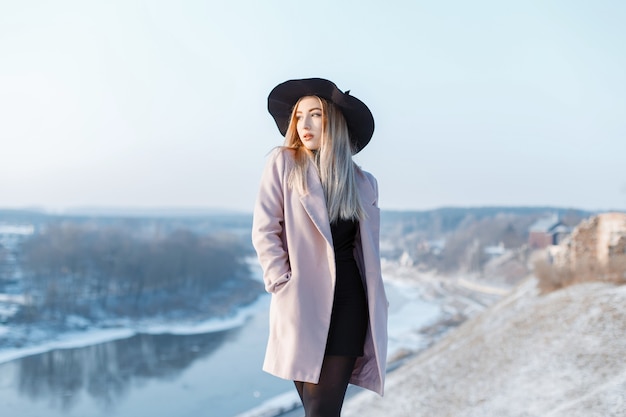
point(306, 122)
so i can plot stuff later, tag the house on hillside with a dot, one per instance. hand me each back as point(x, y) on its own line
point(546, 232)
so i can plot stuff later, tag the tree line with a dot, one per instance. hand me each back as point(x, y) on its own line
point(95, 271)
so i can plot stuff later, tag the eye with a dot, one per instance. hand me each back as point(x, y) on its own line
point(316, 114)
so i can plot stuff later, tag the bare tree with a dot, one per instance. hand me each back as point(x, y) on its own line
point(77, 269)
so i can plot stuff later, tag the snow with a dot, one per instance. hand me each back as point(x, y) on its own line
point(96, 336)
point(12, 298)
point(556, 355)
point(408, 313)
point(68, 341)
point(275, 406)
point(7, 310)
point(208, 326)
point(16, 229)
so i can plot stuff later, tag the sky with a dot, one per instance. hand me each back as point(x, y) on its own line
point(163, 104)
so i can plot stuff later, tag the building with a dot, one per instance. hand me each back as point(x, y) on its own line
point(546, 232)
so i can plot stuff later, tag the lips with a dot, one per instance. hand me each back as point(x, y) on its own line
point(307, 136)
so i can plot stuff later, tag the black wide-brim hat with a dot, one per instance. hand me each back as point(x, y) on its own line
point(358, 116)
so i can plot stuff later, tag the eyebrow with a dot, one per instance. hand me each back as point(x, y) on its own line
point(314, 108)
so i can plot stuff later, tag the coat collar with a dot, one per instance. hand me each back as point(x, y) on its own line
point(314, 201)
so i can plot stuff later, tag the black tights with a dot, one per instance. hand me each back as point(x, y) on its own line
point(325, 398)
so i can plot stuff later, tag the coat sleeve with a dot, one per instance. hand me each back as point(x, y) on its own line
point(268, 223)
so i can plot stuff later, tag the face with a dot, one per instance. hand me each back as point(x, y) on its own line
point(309, 122)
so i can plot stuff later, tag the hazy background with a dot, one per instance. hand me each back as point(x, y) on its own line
point(140, 104)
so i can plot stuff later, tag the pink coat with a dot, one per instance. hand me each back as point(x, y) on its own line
point(291, 234)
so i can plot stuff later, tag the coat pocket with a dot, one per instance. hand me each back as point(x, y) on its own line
point(279, 283)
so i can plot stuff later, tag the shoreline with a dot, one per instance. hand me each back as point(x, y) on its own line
point(125, 328)
point(97, 335)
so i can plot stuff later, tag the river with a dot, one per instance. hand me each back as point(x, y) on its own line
point(168, 374)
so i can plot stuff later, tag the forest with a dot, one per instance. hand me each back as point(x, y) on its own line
point(98, 272)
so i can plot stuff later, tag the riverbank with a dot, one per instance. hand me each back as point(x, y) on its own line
point(223, 309)
point(42, 339)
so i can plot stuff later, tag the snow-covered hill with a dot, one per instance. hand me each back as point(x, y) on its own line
point(557, 355)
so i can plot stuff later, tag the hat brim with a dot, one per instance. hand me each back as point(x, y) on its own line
point(358, 116)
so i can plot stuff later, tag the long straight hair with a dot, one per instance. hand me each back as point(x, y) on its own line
point(333, 160)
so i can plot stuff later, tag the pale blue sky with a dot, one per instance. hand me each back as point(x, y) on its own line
point(163, 103)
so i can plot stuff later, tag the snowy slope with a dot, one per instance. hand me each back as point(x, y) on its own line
point(556, 355)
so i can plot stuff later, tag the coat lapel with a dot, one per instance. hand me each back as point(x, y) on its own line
point(367, 192)
point(314, 203)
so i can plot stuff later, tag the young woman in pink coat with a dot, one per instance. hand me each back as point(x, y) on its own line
point(316, 232)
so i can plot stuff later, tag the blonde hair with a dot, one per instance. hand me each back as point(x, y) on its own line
point(333, 160)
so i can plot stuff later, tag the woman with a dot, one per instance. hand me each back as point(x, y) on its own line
point(316, 232)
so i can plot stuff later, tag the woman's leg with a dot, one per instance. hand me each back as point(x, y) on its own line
point(325, 398)
point(300, 388)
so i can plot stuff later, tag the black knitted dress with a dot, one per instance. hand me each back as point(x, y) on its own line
point(349, 318)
